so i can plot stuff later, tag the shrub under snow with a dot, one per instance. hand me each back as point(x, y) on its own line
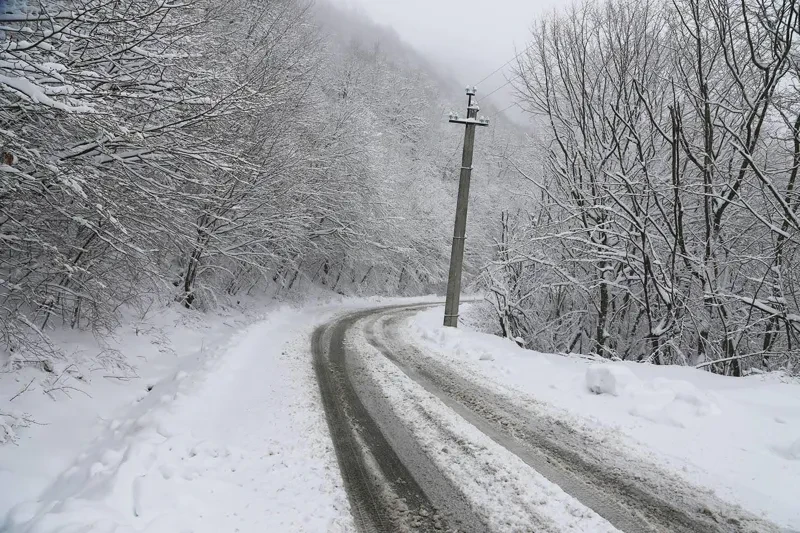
point(609, 379)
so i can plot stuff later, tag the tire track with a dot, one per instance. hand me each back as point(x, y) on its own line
point(631, 501)
point(384, 494)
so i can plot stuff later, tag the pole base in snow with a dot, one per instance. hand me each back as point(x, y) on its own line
point(451, 321)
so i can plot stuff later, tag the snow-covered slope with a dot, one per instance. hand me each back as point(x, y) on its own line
point(216, 426)
point(225, 434)
point(233, 440)
point(50, 413)
point(738, 437)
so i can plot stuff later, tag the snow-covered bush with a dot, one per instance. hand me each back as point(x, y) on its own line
point(609, 379)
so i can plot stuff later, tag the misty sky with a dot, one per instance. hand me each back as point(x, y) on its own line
point(472, 37)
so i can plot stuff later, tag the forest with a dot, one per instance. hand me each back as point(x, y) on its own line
point(191, 152)
point(667, 224)
point(196, 152)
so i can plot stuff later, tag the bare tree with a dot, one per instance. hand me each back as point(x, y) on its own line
point(669, 165)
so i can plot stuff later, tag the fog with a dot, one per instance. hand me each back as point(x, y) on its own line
point(468, 38)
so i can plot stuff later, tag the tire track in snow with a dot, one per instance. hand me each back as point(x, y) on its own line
point(629, 500)
point(384, 495)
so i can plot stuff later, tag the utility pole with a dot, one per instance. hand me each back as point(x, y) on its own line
point(459, 233)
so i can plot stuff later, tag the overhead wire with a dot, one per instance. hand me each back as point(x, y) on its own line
point(483, 98)
point(495, 71)
point(507, 108)
point(508, 81)
point(498, 69)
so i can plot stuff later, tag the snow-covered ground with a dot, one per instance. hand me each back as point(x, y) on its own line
point(504, 492)
point(71, 404)
point(737, 437)
point(222, 430)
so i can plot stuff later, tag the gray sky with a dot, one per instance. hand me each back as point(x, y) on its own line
point(472, 37)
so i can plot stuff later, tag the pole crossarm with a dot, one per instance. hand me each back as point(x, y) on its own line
point(478, 122)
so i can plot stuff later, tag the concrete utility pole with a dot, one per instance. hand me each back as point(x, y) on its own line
point(457, 252)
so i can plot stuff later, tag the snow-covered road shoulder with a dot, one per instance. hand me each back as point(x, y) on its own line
point(736, 437)
point(238, 442)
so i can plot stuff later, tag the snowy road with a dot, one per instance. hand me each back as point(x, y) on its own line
point(422, 448)
point(384, 493)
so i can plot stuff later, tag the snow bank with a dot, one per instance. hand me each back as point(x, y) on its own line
point(236, 441)
point(609, 379)
point(64, 410)
point(663, 401)
point(736, 437)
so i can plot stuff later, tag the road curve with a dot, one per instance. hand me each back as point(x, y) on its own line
point(393, 486)
point(384, 494)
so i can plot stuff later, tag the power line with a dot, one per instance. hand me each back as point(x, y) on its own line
point(504, 64)
point(507, 108)
point(505, 84)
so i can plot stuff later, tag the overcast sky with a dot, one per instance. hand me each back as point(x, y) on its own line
point(472, 37)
